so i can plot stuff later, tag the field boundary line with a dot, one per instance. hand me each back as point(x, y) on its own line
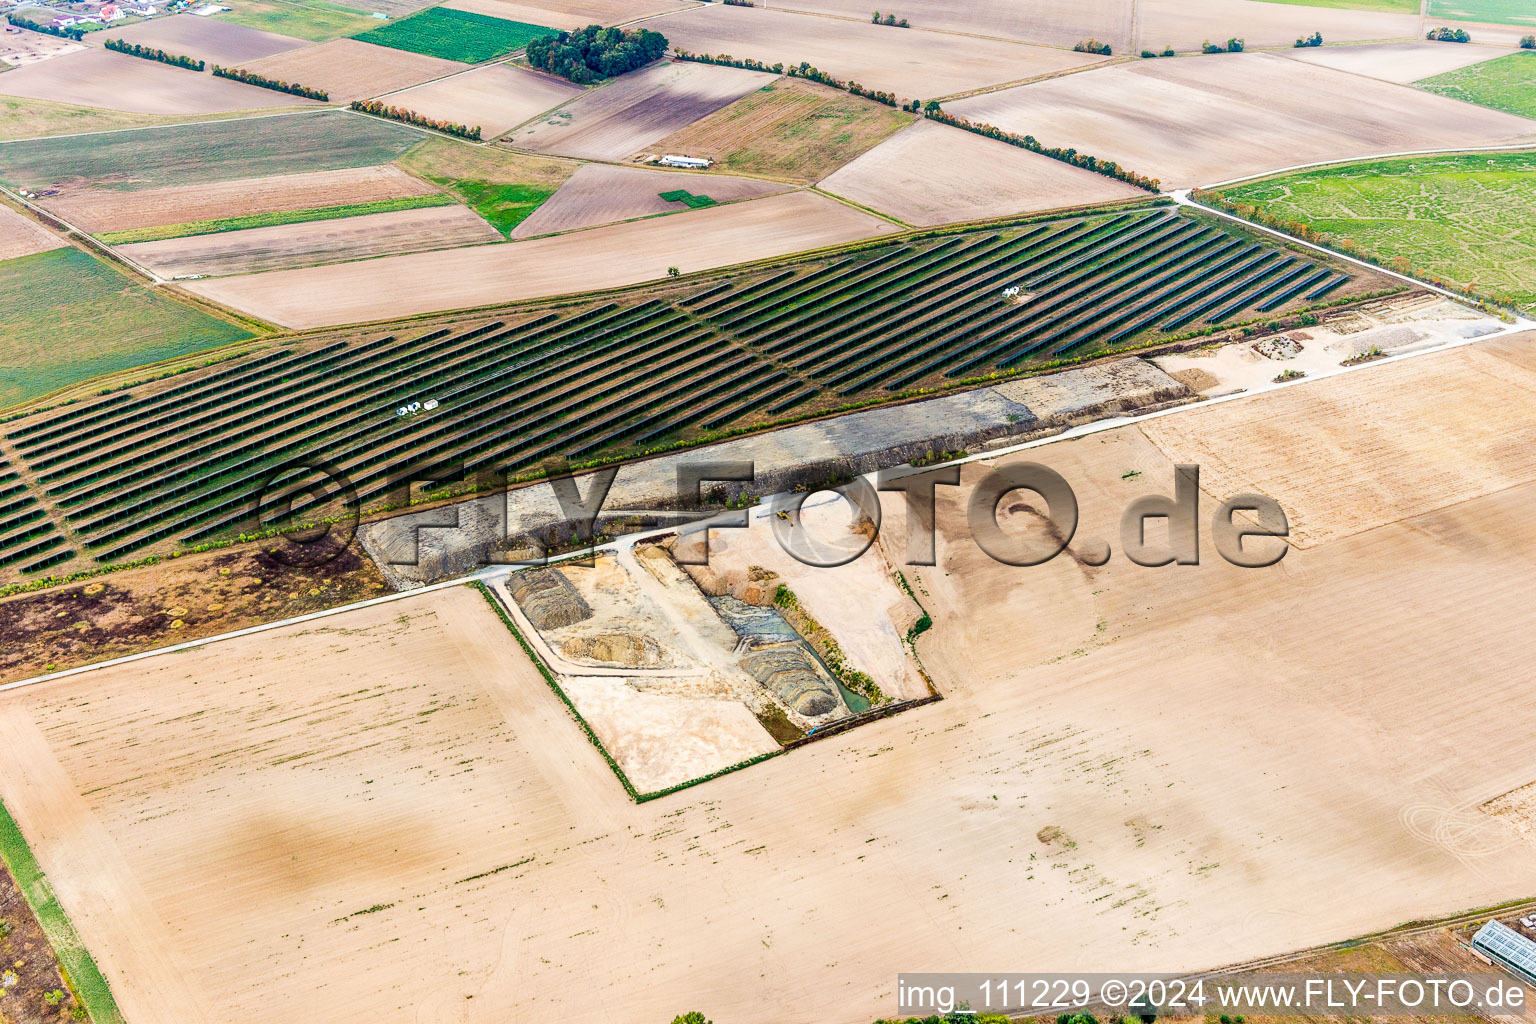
point(1508, 148)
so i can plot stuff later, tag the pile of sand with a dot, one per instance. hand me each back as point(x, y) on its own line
point(788, 672)
point(626, 650)
point(548, 598)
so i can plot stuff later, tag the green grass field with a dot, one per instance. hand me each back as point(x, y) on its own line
point(1463, 219)
point(268, 220)
point(219, 151)
point(315, 20)
point(1382, 6)
point(455, 35)
point(1499, 12)
point(1508, 83)
point(66, 317)
point(84, 976)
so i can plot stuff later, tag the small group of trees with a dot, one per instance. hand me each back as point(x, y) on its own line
point(175, 60)
point(594, 52)
point(378, 109)
point(888, 19)
point(70, 32)
point(738, 3)
point(1448, 35)
point(1167, 52)
point(1528, 42)
point(262, 81)
point(1087, 162)
point(1234, 45)
point(1315, 39)
point(1091, 45)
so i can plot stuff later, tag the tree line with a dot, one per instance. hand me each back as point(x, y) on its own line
point(888, 19)
point(1234, 45)
point(262, 81)
point(594, 52)
point(50, 29)
point(1092, 45)
point(1448, 35)
point(401, 114)
point(175, 60)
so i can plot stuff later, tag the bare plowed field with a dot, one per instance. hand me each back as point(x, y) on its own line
point(1185, 24)
point(116, 81)
point(348, 69)
point(1192, 122)
point(217, 42)
point(1398, 62)
point(602, 194)
point(795, 129)
point(98, 212)
point(20, 236)
point(391, 811)
point(495, 98)
point(934, 174)
point(604, 257)
point(1056, 22)
point(302, 245)
point(907, 62)
point(628, 114)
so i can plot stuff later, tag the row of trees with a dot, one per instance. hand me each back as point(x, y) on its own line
point(888, 19)
point(1092, 45)
point(48, 29)
point(378, 109)
point(1315, 39)
point(1108, 168)
point(175, 60)
point(252, 78)
point(1167, 52)
point(1448, 35)
point(1234, 45)
point(594, 52)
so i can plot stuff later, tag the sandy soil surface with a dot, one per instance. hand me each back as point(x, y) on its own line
point(1398, 62)
point(603, 194)
point(124, 211)
point(1191, 121)
point(1203, 748)
point(1056, 22)
point(19, 47)
point(934, 174)
point(631, 112)
point(496, 97)
point(349, 69)
point(601, 258)
point(908, 63)
point(21, 236)
point(1185, 24)
point(116, 81)
point(217, 42)
point(570, 14)
point(322, 241)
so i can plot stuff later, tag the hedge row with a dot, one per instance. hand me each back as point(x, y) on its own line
point(263, 82)
point(175, 60)
point(1108, 168)
point(411, 117)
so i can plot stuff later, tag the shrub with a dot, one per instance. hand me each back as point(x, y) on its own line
point(378, 109)
point(1210, 47)
point(1168, 51)
point(1091, 45)
point(1234, 45)
point(1315, 39)
point(1448, 35)
point(595, 53)
point(1528, 42)
point(262, 81)
point(739, 3)
point(175, 60)
point(1149, 53)
point(888, 19)
point(49, 29)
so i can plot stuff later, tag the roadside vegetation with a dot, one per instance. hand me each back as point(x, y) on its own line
point(1506, 83)
point(274, 219)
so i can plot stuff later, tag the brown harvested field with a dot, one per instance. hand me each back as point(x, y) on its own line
point(934, 174)
point(19, 47)
point(100, 211)
point(392, 812)
point(303, 245)
point(116, 81)
point(349, 69)
point(629, 113)
point(904, 61)
point(602, 194)
point(21, 236)
point(570, 14)
point(1197, 121)
point(1398, 62)
point(605, 257)
point(496, 98)
point(217, 42)
point(792, 129)
point(1185, 24)
point(1054, 22)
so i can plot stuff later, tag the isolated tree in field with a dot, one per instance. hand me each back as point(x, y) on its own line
point(691, 1017)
